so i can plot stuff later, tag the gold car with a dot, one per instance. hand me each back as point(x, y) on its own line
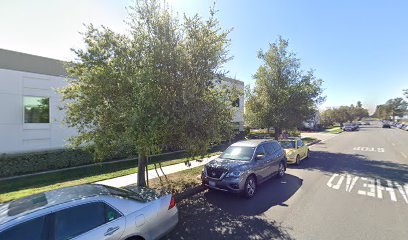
point(295, 150)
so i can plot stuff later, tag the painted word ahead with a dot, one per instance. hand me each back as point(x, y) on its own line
point(370, 187)
point(369, 149)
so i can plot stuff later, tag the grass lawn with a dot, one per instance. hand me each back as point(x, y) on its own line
point(334, 130)
point(179, 181)
point(17, 188)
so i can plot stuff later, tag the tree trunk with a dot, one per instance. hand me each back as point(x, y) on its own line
point(277, 133)
point(141, 167)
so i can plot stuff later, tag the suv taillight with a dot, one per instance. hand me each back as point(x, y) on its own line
point(172, 202)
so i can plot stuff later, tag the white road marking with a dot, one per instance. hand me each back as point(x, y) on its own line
point(337, 186)
point(393, 144)
point(401, 190)
point(390, 190)
point(350, 182)
point(369, 149)
point(404, 155)
point(370, 187)
point(380, 188)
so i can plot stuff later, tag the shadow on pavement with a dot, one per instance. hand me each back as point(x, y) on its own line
point(202, 219)
point(270, 193)
point(355, 164)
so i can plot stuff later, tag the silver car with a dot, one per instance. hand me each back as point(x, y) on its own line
point(245, 164)
point(89, 211)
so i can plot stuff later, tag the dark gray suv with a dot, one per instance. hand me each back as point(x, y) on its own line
point(244, 165)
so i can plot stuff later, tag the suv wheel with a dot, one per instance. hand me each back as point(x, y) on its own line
point(307, 154)
point(298, 160)
point(250, 187)
point(281, 170)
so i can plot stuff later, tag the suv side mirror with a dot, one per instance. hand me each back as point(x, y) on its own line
point(259, 157)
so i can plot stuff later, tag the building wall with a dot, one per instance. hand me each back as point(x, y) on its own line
point(239, 111)
point(17, 136)
point(28, 75)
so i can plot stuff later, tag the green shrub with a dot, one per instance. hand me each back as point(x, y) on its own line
point(23, 163)
point(294, 133)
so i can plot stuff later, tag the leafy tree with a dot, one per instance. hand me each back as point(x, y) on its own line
point(382, 112)
point(327, 117)
point(284, 96)
point(344, 114)
point(155, 86)
point(396, 107)
point(358, 112)
point(405, 93)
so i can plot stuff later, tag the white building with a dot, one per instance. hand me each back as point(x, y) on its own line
point(30, 118)
point(30, 115)
point(238, 118)
point(313, 122)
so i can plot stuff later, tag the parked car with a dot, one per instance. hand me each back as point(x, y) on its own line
point(244, 165)
point(350, 127)
point(89, 211)
point(386, 125)
point(405, 128)
point(295, 150)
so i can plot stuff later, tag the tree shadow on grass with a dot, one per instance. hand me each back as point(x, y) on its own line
point(201, 219)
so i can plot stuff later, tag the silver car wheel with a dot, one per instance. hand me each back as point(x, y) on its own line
point(251, 186)
point(281, 170)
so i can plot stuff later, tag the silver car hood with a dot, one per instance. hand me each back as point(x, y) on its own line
point(227, 164)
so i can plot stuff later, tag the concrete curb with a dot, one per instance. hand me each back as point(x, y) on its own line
point(189, 192)
point(314, 142)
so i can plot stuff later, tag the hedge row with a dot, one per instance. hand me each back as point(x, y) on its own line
point(17, 164)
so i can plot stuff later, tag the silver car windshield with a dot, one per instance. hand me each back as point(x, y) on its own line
point(238, 153)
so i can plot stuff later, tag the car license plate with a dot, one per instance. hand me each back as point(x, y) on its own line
point(211, 183)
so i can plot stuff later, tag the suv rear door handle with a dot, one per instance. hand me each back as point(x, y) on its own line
point(111, 230)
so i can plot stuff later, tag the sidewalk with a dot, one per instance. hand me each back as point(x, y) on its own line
point(132, 178)
point(319, 135)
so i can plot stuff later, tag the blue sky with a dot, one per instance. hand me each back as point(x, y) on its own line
point(359, 48)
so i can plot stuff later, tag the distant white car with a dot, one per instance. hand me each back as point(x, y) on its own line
point(89, 211)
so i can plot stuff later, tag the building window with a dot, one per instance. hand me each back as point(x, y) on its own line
point(235, 103)
point(36, 109)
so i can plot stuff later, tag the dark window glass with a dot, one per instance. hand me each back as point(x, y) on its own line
point(36, 110)
point(111, 214)
point(260, 150)
point(269, 148)
point(74, 221)
point(26, 204)
point(300, 143)
point(33, 230)
point(276, 146)
point(235, 103)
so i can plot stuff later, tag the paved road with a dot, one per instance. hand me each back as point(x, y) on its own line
point(352, 187)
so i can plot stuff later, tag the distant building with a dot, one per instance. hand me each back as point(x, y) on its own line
point(238, 105)
point(312, 123)
point(31, 119)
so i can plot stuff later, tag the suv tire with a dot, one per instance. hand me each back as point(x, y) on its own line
point(281, 170)
point(250, 187)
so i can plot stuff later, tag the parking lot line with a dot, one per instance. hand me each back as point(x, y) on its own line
point(404, 155)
